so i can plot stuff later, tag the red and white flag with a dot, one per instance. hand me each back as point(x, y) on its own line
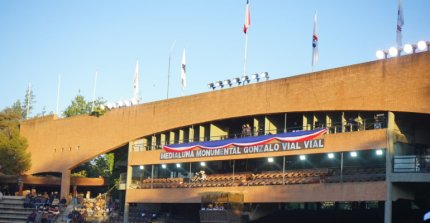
point(184, 71)
point(247, 18)
point(400, 23)
point(315, 43)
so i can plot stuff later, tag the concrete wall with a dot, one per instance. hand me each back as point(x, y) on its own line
point(397, 84)
point(364, 191)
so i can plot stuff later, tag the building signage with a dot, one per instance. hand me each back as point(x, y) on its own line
point(241, 150)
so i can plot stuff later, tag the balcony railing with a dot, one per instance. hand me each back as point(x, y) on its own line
point(411, 164)
point(333, 128)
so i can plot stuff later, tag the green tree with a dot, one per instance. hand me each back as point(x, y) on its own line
point(80, 106)
point(99, 166)
point(14, 157)
point(27, 104)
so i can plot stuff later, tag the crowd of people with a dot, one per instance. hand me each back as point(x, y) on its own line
point(46, 207)
point(199, 177)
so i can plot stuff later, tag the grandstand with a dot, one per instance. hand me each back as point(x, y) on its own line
point(343, 145)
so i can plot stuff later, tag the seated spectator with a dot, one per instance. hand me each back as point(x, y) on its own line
point(63, 202)
point(1, 196)
point(27, 201)
point(32, 217)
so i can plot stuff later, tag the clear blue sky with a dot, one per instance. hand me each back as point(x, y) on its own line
point(41, 39)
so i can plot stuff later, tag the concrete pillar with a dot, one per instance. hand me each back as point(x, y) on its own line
point(65, 183)
point(127, 186)
point(216, 133)
point(126, 212)
point(181, 136)
point(388, 165)
point(191, 134)
point(163, 139)
point(202, 134)
point(270, 128)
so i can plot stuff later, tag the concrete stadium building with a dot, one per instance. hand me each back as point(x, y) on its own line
point(351, 142)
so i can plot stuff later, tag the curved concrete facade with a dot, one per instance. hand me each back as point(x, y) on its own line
point(398, 84)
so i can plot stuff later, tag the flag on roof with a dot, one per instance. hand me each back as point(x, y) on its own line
point(315, 43)
point(247, 18)
point(400, 23)
point(183, 71)
point(136, 81)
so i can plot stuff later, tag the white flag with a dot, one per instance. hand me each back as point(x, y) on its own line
point(315, 43)
point(136, 82)
point(184, 70)
point(400, 23)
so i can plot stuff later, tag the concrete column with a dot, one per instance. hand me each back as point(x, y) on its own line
point(181, 135)
point(127, 186)
point(163, 139)
point(388, 165)
point(126, 212)
point(191, 134)
point(270, 128)
point(202, 133)
point(65, 183)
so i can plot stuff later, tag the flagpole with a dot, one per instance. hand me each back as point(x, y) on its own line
point(94, 91)
point(246, 53)
point(245, 30)
point(183, 72)
point(168, 68)
point(58, 93)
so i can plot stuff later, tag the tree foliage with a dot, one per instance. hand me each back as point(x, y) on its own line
point(80, 106)
point(27, 104)
point(99, 166)
point(14, 157)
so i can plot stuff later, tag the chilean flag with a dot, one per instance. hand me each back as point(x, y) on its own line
point(299, 136)
point(247, 18)
point(400, 23)
point(315, 42)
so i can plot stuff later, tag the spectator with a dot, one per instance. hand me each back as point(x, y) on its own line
point(1, 196)
point(27, 201)
point(32, 217)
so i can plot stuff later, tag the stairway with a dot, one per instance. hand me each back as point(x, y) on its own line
point(12, 210)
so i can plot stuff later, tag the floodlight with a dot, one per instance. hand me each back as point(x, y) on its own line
point(227, 83)
point(409, 48)
point(302, 157)
point(134, 101)
point(353, 154)
point(235, 80)
point(202, 164)
point(211, 86)
point(423, 45)
point(141, 167)
point(264, 75)
point(163, 166)
point(245, 79)
point(270, 159)
point(379, 152)
point(393, 51)
point(219, 84)
point(380, 54)
point(178, 165)
point(330, 155)
point(109, 105)
point(255, 77)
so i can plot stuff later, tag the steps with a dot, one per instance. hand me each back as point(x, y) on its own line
point(12, 210)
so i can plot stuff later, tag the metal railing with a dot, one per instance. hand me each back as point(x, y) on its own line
point(333, 128)
point(411, 164)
